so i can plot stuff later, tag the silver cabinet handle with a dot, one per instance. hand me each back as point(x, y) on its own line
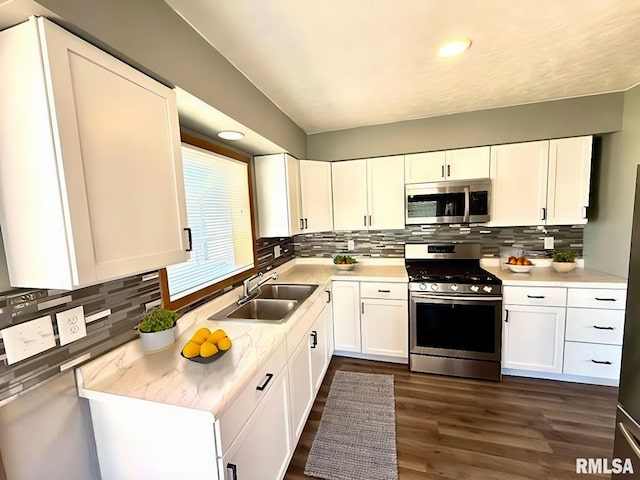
point(448, 170)
point(630, 439)
point(442, 171)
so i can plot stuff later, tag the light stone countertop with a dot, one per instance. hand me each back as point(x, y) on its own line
point(548, 277)
point(165, 377)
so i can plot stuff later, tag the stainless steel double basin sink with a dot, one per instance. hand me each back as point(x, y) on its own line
point(275, 303)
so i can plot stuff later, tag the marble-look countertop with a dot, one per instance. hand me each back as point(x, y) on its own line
point(548, 277)
point(165, 377)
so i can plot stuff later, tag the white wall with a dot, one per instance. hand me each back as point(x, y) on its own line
point(4, 274)
point(607, 236)
point(47, 434)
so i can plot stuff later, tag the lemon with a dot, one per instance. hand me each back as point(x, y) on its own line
point(208, 349)
point(191, 349)
point(216, 336)
point(201, 336)
point(224, 344)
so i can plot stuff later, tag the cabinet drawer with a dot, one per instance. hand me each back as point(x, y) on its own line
point(396, 291)
point(245, 402)
point(591, 360)
point(595, 325)
point(548, 296)
point(597, 298)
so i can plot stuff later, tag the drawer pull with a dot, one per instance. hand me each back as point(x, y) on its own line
point(314, 336)
point(605, 299)
point(599, 362)
point(535, 296)
point(234, 470)
point(384, 291)
point(603, 328)
point(264, 385)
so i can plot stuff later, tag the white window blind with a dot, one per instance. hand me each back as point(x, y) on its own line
point(217, 197)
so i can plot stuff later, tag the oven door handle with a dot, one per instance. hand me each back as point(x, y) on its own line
point(451, 297)
point(466, 204)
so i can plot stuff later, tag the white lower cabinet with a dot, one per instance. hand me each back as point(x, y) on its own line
point(263, 447)
point(301, 391)
point(533, 338)
point(321, 348)
point(590, 360)
point(371, 318)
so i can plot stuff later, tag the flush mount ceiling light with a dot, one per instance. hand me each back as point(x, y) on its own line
point(231, 135)
point(454, 47)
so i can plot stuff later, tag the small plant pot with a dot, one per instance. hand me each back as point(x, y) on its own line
point(156, 341)
point(563, 267)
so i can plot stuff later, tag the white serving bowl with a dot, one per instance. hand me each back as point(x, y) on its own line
point(563, 267)
point(519, 268)
point(344, 266)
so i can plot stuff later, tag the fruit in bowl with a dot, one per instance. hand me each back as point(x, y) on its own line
point(344, 262)
point(206, 346)
point(519, 264)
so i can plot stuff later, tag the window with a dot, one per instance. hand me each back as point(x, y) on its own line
point(218, 200)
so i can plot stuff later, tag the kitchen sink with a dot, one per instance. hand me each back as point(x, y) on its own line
point(262, 309)
point(287, 291)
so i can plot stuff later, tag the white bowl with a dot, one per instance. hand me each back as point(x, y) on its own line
point(519, 268)
point(563, 267)
point(344, 266)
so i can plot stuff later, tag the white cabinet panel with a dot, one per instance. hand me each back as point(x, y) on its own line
point(597, 298)
point(397, 291)
point(346, 315)
point(315, 189)
point(533, 338)
point(320, 348)
point(385, 327)
point(424, 167)
point(263, 447)
point(109, 203)
point(349, 181)
point(545, 296)
point(385, 191)
point(468, 163)
point(519, 183)
point(591, 360)
point(300, 387)
point(595, 325)
point(569, 177)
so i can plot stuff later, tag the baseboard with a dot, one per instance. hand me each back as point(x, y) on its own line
point(378, 358)
point(561, 376)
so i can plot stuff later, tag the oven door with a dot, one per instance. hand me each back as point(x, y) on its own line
point(456, 326)
point(436, 203)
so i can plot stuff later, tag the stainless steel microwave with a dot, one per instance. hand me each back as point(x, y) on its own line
point(464, 201)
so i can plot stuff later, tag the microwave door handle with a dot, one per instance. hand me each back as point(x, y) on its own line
point(466, 204)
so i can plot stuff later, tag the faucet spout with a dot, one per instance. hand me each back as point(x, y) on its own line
point(248, 291)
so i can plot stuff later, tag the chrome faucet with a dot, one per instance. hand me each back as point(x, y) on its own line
point(248, 291)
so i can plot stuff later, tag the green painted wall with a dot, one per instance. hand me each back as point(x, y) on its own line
point(607, 236)
point(536, 121)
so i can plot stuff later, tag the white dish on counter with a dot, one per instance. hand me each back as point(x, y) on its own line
point(345, 266)
point(563, 267)
point(520, 268)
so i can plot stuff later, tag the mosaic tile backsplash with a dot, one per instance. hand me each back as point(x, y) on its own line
point(112, 309)
point(390, 243)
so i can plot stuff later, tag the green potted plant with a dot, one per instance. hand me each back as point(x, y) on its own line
point(564, 261)
point(344, 262)
point(157, 329)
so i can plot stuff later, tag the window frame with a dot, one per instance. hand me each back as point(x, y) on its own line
point(204, 292)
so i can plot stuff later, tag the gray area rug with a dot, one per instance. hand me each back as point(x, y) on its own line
point(356, 438)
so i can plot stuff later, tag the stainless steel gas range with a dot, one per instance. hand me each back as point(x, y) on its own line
point(455, 311)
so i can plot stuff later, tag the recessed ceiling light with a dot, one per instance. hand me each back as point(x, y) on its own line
point(454, 47)
point(231, 135)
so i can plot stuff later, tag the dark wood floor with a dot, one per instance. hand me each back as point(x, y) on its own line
point(450, 428)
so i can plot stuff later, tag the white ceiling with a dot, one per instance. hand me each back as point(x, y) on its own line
point(336, 64)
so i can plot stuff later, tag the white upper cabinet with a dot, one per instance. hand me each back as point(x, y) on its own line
point(368, 194)
point(315, 189)
point(569, 176)
point(519, 183)
point(541, 183)
point(278, 195)
point(91, 182)
point(460, 164)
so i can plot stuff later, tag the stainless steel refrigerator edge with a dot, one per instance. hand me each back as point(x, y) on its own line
point(627, 439)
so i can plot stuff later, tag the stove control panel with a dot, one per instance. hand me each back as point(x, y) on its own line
point(455, 288)
point(475, 288)
point(434, 287)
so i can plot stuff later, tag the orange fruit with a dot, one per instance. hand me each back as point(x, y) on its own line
point(191, 349)
point(224, 344)
point(201, 336)
point(208, 349)
point(216, 336)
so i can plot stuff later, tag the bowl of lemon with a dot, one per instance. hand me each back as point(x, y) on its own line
point(206, 346)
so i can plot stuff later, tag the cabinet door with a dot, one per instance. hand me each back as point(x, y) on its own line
point(569, 177)
point(385, 327)
point(424, 167)
point(468, 163)
point(300, 391)
point(385, 192)
point(349, 181)
point(519, 183)
point(346, 316)
point(315, 188)
point(320, 346)
point(533, 338)
point(263, 447)
point(293, 192)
